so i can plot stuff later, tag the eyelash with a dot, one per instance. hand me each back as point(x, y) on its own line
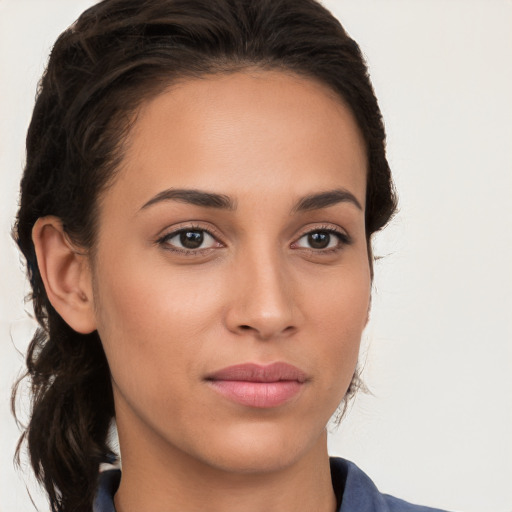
point(343, 240)
point(164, 240)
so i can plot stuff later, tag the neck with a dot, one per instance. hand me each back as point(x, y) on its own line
point(164, 479)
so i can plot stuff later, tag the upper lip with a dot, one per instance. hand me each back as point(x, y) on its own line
point(252, 372)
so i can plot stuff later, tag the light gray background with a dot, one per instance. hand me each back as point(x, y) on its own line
point(438, 356)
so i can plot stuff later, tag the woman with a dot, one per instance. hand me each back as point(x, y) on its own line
point(202, 183)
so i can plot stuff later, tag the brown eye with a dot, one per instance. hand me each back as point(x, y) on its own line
point(189, 240)
point(322, 239)
point(319, 239)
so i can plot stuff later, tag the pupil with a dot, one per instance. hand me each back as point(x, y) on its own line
point(191, 239)
point(319, 239)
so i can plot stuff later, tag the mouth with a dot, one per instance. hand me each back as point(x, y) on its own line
point(258, 386)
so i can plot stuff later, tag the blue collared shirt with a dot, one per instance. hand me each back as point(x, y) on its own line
point(354, 490)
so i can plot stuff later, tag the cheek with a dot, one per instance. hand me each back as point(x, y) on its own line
point(337, 318)
point(151, 317)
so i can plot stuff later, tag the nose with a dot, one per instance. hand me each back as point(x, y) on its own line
point(263, 299)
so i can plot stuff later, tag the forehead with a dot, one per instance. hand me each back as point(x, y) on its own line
point(245, 134)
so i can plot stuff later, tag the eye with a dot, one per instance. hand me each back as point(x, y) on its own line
point(189, 240)
point(322, 239)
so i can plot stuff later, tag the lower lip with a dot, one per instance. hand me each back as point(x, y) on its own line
point(258, 394)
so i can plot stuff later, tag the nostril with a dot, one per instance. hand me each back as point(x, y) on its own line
point(245, 327)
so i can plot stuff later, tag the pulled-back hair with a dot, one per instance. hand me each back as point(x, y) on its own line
point(118, 54)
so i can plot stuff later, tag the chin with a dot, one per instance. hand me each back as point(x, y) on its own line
point(260, 448)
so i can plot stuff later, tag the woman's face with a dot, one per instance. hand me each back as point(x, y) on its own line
point(233, 238)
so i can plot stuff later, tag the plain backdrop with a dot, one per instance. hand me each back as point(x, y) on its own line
point(437, 353)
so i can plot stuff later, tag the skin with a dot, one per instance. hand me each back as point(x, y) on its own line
point(256, 291)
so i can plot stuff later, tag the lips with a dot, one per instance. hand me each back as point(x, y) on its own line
point(258, 386)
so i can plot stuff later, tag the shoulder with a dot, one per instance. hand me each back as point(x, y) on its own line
point(359, 493)
point(108, 482)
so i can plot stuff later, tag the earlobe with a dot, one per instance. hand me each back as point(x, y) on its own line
point(65, 273)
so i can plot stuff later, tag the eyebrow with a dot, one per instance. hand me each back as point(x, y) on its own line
point(223, 202)
point(326, 199)
point(195, 197)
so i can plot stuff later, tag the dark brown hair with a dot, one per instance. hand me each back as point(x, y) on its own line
point(117, 55)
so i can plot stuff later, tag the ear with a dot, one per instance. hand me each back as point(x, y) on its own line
point(66, 274)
